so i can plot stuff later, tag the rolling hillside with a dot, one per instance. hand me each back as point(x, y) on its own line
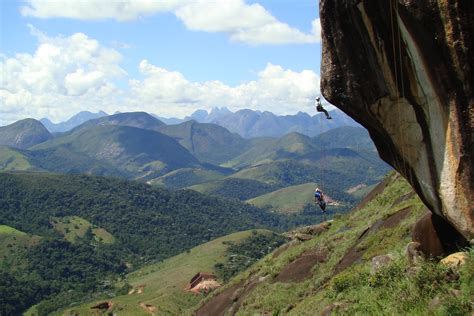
point(74, 121)
point(347, 136)
point(186, 177)
point(132, 150)
point(131, 119)
point(162, 285)
point(354, 265)
point(207, 142)
point(285, 173)
point(241, 189)
point(287, 200)
point(271, 149)
point(24, 134)
point(94, 229)
point(12, 159)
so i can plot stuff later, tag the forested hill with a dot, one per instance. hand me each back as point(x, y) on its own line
point(150, 222)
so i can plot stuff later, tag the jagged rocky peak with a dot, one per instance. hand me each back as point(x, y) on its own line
point(403, 69)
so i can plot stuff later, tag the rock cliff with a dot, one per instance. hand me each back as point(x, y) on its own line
point(403, 69)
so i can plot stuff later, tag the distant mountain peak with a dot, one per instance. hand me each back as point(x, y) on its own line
point(133, 119)
point(220, 110)
point(71, 123)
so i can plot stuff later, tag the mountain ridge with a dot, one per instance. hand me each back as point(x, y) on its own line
point(72, 122)
point(247, 123)
point(24, 134)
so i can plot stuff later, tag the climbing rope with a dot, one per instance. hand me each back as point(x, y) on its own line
point(398, 54)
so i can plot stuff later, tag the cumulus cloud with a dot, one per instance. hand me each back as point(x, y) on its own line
point(248, 23)
point(68, 74)
point(62, 73)
point(276, 89)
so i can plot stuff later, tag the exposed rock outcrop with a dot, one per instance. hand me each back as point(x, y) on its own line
point(403, 69)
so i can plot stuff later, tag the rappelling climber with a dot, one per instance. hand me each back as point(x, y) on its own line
point(319, 198)
point(319, 108)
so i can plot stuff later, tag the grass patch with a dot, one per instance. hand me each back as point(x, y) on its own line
point(75, 227)
point(14, 245)
point(13, 160)
point(287, 200)
point(4, 229)
point(186, 177)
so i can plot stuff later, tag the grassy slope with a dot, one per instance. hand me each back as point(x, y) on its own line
point(11, 159)
point(186, 177)
point(363, 191)
point(133, 150)
point(242, 189)
point(4, 229)
point(164, 282)
point(362, 292)
point(13, 247)
point(270, 149)
point(287, 200)
point(73, 227)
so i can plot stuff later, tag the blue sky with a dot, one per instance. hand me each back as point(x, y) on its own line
point(166, 57)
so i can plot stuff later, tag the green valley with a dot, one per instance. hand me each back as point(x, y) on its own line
point(160, 287)
point(87, 231)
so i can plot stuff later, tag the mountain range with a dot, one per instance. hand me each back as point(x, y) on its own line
point(74, 121)
point(247, 123)
point(201, 156)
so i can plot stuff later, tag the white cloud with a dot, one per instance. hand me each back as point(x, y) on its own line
point(248, 23)
point(63, 76)
point(121, 10)
point(68, 74)
point(276, 89)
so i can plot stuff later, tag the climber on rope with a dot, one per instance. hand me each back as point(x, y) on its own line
point(319, 198)
point(319, 108)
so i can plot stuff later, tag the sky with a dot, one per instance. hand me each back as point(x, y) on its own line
point(167, 57)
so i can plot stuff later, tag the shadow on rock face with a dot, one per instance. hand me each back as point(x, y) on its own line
point(436, 236)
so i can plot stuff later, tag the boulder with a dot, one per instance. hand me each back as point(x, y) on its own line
point(455, 260)
point(381, 261)
point(413, 252)
point(404, 70)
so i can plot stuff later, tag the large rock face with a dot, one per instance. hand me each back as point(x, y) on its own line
point(404, 71)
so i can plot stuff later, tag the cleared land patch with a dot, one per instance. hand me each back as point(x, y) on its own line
point(74, 227)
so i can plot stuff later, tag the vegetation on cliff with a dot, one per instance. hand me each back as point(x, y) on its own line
point(358, 265)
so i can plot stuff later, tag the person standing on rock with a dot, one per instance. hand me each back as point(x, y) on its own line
point(319, 108)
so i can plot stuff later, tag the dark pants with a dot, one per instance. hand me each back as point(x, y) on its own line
point(321, 109)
